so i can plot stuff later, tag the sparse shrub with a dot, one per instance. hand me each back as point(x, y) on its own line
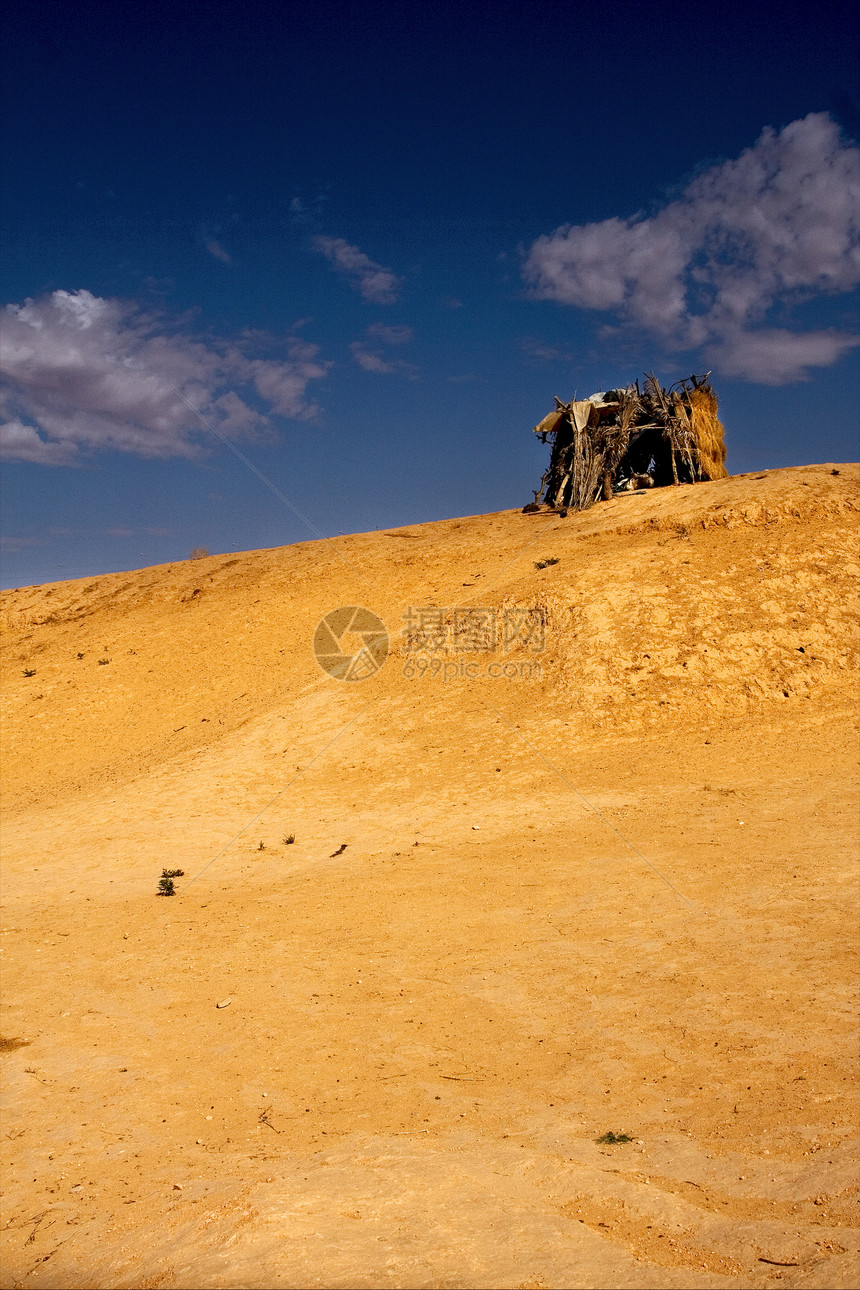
point(166, 885)
point(262, 846)
point(103, 662)
point(80, 656)
point(29, 671)
point(544, 564)
point(289, 839)
point(612, 1139)
point(199, 553)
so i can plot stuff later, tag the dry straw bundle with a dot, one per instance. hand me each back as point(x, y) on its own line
point(708, 434)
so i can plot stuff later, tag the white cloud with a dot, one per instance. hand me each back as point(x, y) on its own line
point(773, 228)
point(391, 335)
point(368, 355)
point(81, 373)
point(15, 545)
point(533, 347)
point(781, 355)
point(370, 360)
point(19, 442)
point(373, 281)
point(216, 249)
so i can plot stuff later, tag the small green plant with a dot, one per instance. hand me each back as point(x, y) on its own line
point(289, 839)
point(166, 886)
point(80, 656)
point(544, 564)
point(29, 671)
point(612, 1139)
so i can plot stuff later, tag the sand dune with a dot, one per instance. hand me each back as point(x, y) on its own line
point(597, 877)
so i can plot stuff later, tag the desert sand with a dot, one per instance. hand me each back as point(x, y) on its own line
point(609, 887)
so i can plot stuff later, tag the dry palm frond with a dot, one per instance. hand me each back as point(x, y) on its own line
point(631, 406)
point(679, 432)
point(667, 410)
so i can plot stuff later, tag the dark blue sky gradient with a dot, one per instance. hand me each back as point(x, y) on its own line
point(441, 141)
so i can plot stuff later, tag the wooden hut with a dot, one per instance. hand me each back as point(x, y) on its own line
point(630, 437)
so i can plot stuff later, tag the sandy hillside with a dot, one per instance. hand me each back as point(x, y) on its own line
point(599, 882)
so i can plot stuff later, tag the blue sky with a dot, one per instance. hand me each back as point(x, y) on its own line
point(369, 243)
